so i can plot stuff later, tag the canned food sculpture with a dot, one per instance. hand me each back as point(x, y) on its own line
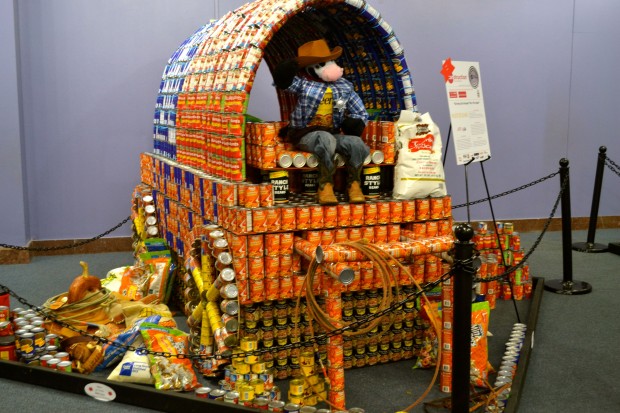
point(236, 201)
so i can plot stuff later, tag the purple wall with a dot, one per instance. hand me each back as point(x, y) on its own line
point(89, 77)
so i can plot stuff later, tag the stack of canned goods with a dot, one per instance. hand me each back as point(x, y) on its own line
point(508, 366)
point(24, 338)
point(500, 248)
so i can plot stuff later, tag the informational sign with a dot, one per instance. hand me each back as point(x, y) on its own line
point(466, 104)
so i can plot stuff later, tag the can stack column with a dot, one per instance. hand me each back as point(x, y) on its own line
point(335, 353)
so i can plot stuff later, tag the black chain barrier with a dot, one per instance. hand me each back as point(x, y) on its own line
point(67, 246)
point(316, 339)
point(512, 191)
point(536, 243)
point(612, 166)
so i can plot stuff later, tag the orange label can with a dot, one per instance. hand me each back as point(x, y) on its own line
point(357, 214)
point(259, 220)
point(272, 244)
point(286, 287)
point(256, 245)
point(408, 210)
point(436, 208)
point(327, 237)
point(370, 213)
point(381, 233)
point(286, 264)
point(273, 218)
point(252, 199)
point(257, 290)
point(272, 266)
point(302, 217)
point(422, 209)
point(240, 265)
point(330, 216)
point(272, 288)
point(238, 246)
point(286, 242)
point(393, 232)
point(396, 211)
point(344, 214)
point(256, 268)
point(432, 229)
point(341, 235)
point(316, 216)
point(368, 234)
point(287, 217)
point(447, 206)
point(313, 237)
point(265, 194)
point(383, 212)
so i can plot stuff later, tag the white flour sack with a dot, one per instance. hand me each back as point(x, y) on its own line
point(418, 172)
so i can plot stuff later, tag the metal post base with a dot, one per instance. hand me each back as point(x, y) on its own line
point(614, 247)
point(568, 287)
point(589, 247)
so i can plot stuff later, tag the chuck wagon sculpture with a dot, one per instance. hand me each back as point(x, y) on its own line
point(268, 280)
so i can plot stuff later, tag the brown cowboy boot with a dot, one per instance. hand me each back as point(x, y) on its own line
point(325, 194)
point(356, 196)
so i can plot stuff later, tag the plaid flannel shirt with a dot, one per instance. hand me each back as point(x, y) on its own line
point(309, 94)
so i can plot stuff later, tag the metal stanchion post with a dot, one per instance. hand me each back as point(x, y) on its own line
point(463, 275)
point(589, 245)
point(566, 285)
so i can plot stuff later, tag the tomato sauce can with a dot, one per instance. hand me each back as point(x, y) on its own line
point(355, 234)
point(370, 213)
point(436, 208)
point(286, 264)
point(432, 229)
point(368, 234)
point(327, 237)
point(273, 219)
point(313, 237)
point(341, 235)
point(240, 266)
point(344, 214)
point(265, 194)
point(286, 287)
point(257, 290)
point(256, 268)
point(396, 211)
point(422, 209)
point(238, 246)
point(256, 245)
point(330, 216)
point(286, 242)
point(272, 243)
point(302, 216)
point(287, 217)
point(393, 232)
point(259, 220)
point(252, 198)
point(380, 233)
point(383, 212)
point(408, 210)
point(357, 214)
point(272, 266)
point(272, 288)
point(316, 216)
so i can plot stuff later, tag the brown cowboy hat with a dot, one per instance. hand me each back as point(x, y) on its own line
point(316, 51)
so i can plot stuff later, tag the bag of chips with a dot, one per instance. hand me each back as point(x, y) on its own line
point(170, 373)
point(479, 344)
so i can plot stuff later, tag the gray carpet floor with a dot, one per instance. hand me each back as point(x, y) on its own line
point(574, 365)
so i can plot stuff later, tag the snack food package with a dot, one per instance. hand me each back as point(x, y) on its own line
point(134, 367)
point(419, 170)
point(112, 353)
point(170, 373)
point(479, 344)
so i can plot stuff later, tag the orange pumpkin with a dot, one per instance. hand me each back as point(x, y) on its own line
point(82, 284)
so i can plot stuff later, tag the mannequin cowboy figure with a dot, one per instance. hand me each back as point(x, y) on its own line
point(329, 117)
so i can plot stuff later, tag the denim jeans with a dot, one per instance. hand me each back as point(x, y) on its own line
point(325, 145)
